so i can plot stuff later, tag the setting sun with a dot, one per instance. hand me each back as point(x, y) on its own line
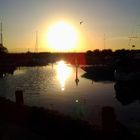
point(62, 37)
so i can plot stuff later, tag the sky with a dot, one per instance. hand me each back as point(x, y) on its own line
point(108, 24)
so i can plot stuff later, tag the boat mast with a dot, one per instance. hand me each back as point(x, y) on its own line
point(104, 41)
point(36, 44)
point(1, 38)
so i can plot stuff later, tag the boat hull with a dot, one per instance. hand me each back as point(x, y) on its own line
point(122, 76)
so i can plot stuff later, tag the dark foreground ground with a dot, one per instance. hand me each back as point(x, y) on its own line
point(24, 122)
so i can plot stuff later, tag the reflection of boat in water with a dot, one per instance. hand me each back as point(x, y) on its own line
point(6, 69)
point(128, 69)
point(98, 73)
point(124, 76)
point(127, 92)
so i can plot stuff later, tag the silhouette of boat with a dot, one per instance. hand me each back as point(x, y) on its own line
point(3, 49)
point(4, 70)
point(127, 92)
point(98, 69)
point(99, 73)
point(99, 76)
point(127, 69)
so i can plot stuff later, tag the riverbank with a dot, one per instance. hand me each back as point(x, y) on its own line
point(24, 122)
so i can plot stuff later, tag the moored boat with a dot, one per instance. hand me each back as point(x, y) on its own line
point(99, 72)
point(128, 70)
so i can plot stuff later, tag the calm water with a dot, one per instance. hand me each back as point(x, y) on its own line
point(55, 88)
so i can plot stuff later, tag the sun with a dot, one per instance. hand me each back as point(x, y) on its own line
point(61, 37)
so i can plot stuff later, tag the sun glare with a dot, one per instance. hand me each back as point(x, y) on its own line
point(61, 37)
point(63, 72)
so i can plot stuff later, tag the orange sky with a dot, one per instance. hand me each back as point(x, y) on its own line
point(116, 19)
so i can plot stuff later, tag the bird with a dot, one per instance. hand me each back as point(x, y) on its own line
point(81, 22)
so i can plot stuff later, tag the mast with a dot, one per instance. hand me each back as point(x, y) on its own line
point(1, 38)
point(36, 44)
point(104, 41)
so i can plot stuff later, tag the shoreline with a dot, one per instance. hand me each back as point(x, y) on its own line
point(25, 122)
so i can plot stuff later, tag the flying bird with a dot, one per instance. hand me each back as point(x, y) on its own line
point(81, 22)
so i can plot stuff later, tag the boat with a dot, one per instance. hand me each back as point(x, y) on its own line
point(123, 76)
point(127, 69)
point(127, 92)
point(99, 72)
point(6, 69)
point(97, 68)
point(3, 49)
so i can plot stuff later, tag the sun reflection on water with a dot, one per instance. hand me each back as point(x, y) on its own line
point(63, 72)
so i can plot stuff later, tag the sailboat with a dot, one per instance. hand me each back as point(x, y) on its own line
point(2, 48)
point(128, 69)
point(6, 67)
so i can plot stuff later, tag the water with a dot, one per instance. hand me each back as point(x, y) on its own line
point(54, 87)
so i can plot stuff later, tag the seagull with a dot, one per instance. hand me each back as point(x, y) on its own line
point(81, 22)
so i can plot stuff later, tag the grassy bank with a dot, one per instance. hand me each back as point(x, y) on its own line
point(24, 122)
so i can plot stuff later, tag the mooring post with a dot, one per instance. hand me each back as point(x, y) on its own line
point(19, 98)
